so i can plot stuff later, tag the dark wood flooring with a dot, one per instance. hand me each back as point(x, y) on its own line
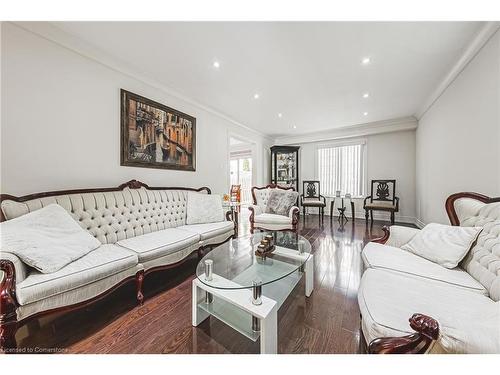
point(327, 322)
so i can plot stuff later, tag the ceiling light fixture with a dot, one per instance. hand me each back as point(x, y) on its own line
point(366, 95)
point(216, 64)
point(256, 96)
point(295, 126)
point(365, 113)
point(365, 61)
point(280, 115)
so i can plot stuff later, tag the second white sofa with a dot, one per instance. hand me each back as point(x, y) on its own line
point(457, 310)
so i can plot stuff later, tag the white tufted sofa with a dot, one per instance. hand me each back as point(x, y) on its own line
point(141, 229)
point(259, 219)
point(460, 307)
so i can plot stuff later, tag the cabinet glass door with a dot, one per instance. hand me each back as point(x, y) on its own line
point(286, 173)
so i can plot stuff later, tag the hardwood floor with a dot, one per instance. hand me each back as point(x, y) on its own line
point(327, 322)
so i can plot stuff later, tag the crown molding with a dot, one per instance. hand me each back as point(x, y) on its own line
point(77, 45)
point(360, 130)
point(474, 47)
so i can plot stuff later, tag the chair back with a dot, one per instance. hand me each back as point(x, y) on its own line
point(311, 189)
point(482, 261)
point(383, 190)
point(236, 193)
point(260, 195)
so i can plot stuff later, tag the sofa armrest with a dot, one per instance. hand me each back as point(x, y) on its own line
point(420, 342)
point(294, 215)
point(21, 269)
point(8, 301)
point(294, 210)
point(396, 235)
point(400, 235)
point(255, 210)
point(364, 201)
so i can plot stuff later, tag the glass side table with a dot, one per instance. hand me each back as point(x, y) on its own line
point(243, 290)
point(235, 208)
point(342, 208)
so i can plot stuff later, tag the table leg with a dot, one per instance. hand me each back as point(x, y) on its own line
point(236, 214)
point(198, 315)
point(352, 210)
point(269, 333)
point(309, 271)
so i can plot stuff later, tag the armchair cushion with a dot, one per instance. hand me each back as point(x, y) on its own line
point(280, 201)
point(380, 204)
point(266, 218)
point(391, 258)
point(443, 244)
point(313, 202)
point(388, 299)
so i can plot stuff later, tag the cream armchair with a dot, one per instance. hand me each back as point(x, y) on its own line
point(259, 219)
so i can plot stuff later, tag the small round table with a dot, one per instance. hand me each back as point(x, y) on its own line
point(342, 209)
point(235, 208)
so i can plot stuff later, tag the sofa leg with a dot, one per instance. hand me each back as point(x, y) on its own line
point(8, 306)
point(139, 280)
point(8, 329)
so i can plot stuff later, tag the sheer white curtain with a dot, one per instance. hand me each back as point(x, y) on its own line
point(342, 168)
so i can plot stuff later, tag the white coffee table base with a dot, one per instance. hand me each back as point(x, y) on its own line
point(235, 308)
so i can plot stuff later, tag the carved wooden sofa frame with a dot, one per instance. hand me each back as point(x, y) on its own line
point(295, 213)
point(426, 328)
point(8, 302)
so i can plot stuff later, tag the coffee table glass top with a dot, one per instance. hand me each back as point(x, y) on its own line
point(235, 265)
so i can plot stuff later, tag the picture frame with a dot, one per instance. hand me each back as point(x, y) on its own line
point(154, 135)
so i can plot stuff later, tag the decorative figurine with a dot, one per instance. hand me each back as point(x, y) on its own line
point(265, 247)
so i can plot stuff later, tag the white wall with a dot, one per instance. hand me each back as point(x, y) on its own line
point(389, 156)
point(458, 138)
point(61, 123)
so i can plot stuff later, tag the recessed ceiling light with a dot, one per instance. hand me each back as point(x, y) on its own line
point(365, 113)
point(256, 96)
point(295, 126)
point(280, 115)
point(366, 95)
point(216, 64)
point(365, 61)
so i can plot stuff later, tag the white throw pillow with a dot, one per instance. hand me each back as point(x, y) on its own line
point(443, 244)
point(46, 239)
point(204, 208)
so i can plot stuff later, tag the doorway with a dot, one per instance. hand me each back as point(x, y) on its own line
point(241, 167)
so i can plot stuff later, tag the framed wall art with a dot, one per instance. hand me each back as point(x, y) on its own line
point(156, 136)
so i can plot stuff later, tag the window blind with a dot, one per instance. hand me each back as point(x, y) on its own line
point(342, 168)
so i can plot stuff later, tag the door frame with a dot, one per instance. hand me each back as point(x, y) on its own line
point(253, 151)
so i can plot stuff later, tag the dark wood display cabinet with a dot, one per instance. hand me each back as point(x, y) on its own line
point(285, 166)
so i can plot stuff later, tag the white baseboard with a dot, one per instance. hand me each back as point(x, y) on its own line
point(380, 216)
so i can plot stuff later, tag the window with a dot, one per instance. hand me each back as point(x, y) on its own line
point(342, 168)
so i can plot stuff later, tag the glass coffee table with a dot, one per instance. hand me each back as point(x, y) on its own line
point(245, 290)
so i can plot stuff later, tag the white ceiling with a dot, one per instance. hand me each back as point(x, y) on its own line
point(311, 72)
